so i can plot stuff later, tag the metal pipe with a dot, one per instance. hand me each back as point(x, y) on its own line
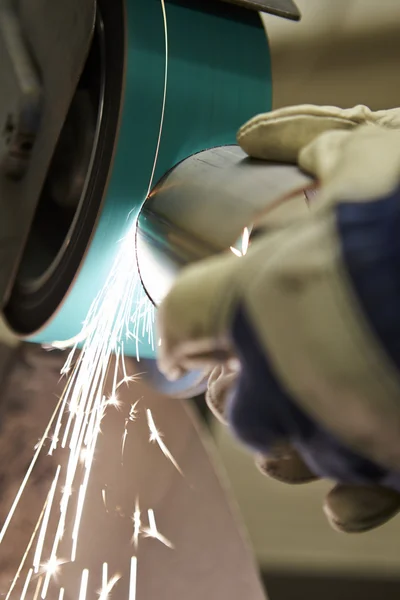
point(200, 209)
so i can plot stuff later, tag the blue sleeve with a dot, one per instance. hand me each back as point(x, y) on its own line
point(261, 411)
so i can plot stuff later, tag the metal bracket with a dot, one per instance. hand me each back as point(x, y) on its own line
point(281, 8)
point(238, 9)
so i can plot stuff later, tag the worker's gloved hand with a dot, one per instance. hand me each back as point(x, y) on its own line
point(280, 135)
point(349, 508)
point(312, 313)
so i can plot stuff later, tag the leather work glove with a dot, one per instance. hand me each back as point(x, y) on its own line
point(349, 508)
point(311, 311)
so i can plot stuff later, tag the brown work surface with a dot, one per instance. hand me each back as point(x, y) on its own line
point(210, 559)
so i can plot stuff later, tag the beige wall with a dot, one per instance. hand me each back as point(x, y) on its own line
point(342, 52)
point(288, 529)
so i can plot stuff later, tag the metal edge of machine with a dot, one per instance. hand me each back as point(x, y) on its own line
point(286, 9)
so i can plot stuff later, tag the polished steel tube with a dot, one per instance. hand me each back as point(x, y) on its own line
point(200, 209)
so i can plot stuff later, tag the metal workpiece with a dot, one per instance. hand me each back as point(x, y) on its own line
point(200, 209)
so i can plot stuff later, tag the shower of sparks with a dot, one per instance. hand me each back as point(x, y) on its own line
point(133, 579)
point(120, 314)
point(152, 531)
point(245, 244)
point(156, 436)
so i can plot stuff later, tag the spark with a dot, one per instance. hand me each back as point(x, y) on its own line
point(236, 252)
point(133, 579)
point(156, 436)
point(129, 379)
point(123, 355)
point(84, 485)
point(51, 569)
point(81, 501)
point(130, 419)
point(152, 530)
point(114, 385)
point(107, 585)
point(124, 436)
point(133, 410)
point(83, 455)
point(37, 590)
point(114, 401)
point(104, 575)
point(74, 341)
point(103, 495)
point(45, 522)
point(245, 244)
point(26, 586)
point(245, 241)
point(63, 401)
point(84, 584)
point(137, 524)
